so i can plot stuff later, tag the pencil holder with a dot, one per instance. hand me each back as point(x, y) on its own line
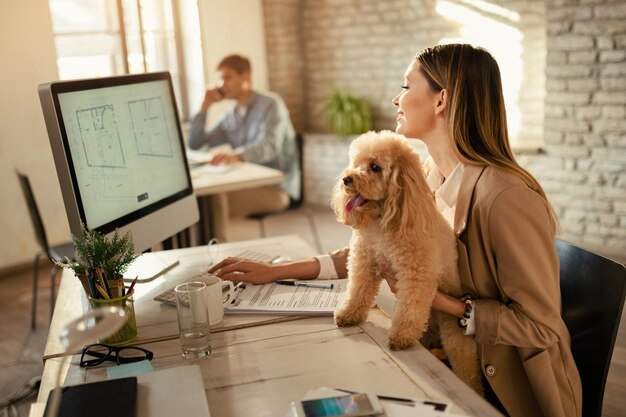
point(129, 330)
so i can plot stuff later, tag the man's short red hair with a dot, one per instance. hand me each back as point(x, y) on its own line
point(238, 63)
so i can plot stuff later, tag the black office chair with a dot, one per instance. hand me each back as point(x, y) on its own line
point(54, 253)
point(592, 291)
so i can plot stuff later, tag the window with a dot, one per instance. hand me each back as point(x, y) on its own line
point(99, 38)
point(514, 32)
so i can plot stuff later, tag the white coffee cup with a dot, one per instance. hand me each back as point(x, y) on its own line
point(218, 292)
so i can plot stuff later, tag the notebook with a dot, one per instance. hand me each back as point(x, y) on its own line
point(116, 397)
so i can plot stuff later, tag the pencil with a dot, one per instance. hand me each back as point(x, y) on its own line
point(132, 284)
point(102, 292)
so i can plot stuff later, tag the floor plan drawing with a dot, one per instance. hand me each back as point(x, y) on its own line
point(150, 127)
point(100, 136)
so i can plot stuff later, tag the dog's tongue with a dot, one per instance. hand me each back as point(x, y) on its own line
point(354, 202)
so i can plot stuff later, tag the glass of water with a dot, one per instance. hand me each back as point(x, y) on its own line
point(193, 320)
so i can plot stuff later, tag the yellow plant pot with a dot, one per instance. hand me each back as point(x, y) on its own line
point(128, 331)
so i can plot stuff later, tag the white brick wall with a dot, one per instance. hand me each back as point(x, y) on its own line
point(586, 127)
point(365, 45)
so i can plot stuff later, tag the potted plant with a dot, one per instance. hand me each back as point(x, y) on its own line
point(100, 263)
point(101, 257)
point(347, 114)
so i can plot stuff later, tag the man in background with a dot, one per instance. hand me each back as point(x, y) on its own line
point(259, 130)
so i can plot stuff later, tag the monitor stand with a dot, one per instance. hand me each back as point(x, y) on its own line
point(150, 269)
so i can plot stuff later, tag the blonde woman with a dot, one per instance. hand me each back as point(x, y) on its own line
point(452, 100)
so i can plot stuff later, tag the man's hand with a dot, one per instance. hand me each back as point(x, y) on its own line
point(226, 158)
point(211, 96)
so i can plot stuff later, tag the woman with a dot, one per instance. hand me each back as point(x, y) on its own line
point(452, 101)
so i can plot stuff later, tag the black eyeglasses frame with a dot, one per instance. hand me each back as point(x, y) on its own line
point(110, 353)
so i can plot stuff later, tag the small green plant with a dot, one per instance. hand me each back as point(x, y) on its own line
point(347, 114)
point(94, 251)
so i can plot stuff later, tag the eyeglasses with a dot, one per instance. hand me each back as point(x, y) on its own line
point(97, 353)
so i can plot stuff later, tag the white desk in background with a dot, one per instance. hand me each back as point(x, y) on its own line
point(236, 177)
point(260, 364)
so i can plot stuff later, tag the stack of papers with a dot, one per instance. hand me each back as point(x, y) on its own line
point(157, 396)
point(285, 299)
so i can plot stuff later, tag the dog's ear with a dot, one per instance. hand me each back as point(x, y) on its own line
point(409, 203)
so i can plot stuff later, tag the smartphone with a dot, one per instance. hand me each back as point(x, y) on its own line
point(358, 404)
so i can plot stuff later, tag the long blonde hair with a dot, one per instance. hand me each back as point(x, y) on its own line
point(476, 113)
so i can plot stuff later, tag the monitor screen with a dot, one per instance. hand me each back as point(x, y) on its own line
point(120, 155)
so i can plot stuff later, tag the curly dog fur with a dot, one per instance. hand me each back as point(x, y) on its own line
point(384, 197)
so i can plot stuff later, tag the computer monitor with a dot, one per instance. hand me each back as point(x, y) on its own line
point(120, 156)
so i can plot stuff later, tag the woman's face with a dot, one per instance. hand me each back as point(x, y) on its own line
point(416, 105)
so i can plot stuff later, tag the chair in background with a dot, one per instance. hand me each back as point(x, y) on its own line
point(54, 253)
point(300, 147)
point(295, 204)
point(592, 291)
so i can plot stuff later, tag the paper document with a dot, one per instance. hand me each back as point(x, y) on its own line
point(199, 157)
point(285, 299)
point(157, 396)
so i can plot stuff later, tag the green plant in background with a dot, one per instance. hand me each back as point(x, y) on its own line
point(347, 114)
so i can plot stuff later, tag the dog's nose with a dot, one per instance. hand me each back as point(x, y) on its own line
point(347, 180)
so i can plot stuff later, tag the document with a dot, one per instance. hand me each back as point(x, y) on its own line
point(290, 299)
point(157, 396)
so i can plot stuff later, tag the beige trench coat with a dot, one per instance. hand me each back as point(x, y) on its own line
point(507, 260)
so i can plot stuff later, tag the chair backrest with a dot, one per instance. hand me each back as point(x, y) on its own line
point(35, 217)
point(300, 148)
point(592, 291)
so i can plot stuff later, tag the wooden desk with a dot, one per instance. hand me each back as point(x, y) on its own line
point(241, 176)
point(155, 320)
point(260, 367)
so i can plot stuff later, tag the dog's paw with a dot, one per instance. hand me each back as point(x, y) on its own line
point(400, 342)
point(348, 318)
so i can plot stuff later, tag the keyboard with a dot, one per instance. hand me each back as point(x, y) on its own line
point(169, 296)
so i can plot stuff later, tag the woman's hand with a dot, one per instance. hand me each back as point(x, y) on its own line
point(441, 302)
point(238, 269)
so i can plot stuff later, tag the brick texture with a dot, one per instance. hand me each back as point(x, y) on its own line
point(588, 190)
point(571, 97)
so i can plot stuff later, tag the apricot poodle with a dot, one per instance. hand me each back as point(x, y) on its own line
point(384, 197)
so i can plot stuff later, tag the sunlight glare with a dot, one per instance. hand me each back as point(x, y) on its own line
point(502, 40)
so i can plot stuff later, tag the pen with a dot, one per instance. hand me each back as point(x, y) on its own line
point(305, 284)
point(90, 282)
point(382, 397)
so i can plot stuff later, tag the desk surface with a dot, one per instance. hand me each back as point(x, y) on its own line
point(260, 364)
point(239, 176)
point(156, 320)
